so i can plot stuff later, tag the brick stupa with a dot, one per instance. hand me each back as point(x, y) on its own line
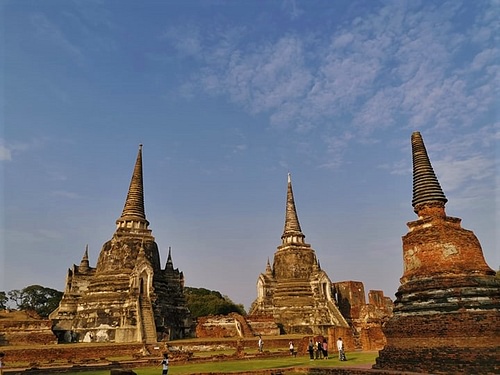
point(127, 297)
point(446, 314)
point(295, 291)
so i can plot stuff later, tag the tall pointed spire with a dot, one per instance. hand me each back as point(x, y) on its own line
point(292, 231)
point(426, 187)
point(84, 264)
point(134, 205)
point(133, 214)
point(170, 263)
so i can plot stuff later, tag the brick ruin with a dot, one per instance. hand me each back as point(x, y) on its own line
point(295, 291)
point(365, 319)
point(447, 309)
point(236, 325)
point(127, 297)
point(25, 328)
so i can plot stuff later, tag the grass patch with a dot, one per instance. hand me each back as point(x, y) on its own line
point(354, 358)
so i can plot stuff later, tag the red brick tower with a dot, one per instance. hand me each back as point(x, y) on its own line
point(447, 309)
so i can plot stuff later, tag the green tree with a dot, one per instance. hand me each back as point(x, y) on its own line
point(203, 302)
point(3, 300)
point(17, 297)
point(41, 299)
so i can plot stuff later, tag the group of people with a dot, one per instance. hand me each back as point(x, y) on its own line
point(319, 349)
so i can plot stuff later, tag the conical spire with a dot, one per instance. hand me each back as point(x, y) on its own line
point(292, 229)
point(84, 264)
point(269, 270)
point(170, 264)
point(133, 214)
point(426, 188)
point(134, 205)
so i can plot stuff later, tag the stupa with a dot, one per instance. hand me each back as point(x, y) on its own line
point(295, 291)
point(447, 309)
point(127, 297)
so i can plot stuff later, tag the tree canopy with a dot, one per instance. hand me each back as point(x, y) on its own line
point(203, 302)
point(3, 300)
point(38, 298)
point(43, 300)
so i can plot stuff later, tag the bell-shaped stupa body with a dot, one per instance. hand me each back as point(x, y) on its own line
point(295, 290)
point(127, 297)
point(447, 311)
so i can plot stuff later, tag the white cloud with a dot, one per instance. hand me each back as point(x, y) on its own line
point(5, 153)
point(9, 150)
point(66, 194)
point(343, 40)
point(484, 58)
point(400, 65)
point(291, 9)
point(185, 39)
point(454, 174)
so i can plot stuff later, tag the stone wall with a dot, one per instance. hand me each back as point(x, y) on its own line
point(347, 337)
point(263, 325)
point(24, 328)
point(350, 297)
point(71, 353)
point(235, 325)
point(219, 326)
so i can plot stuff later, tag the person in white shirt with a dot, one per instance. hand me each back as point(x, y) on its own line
point(340, 348)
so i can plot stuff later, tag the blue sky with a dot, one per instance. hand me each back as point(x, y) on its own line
point(227, 97)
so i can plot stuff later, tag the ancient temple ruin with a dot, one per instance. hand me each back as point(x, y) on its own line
point(365, 319)
point(295, 290)
point(447, 312)
point(127, 297)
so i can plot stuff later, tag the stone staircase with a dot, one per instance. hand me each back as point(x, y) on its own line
point(148, 328)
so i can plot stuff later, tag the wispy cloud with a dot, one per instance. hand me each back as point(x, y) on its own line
point(5, 153)
point(291, 9)
point(186, 40)
point(8, 150)
point(454, 174)
point(395, 63)
point(66, 194)
point(401, 66)
point(49, 32)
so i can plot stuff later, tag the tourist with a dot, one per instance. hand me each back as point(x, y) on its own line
point(291, 347)
point(310, 349)
point(261, 344)
point(325, 349)
point(319, 350)
point(340, 348)
point(164, 364)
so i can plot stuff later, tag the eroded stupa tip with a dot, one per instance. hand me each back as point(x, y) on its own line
point(426, 187)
